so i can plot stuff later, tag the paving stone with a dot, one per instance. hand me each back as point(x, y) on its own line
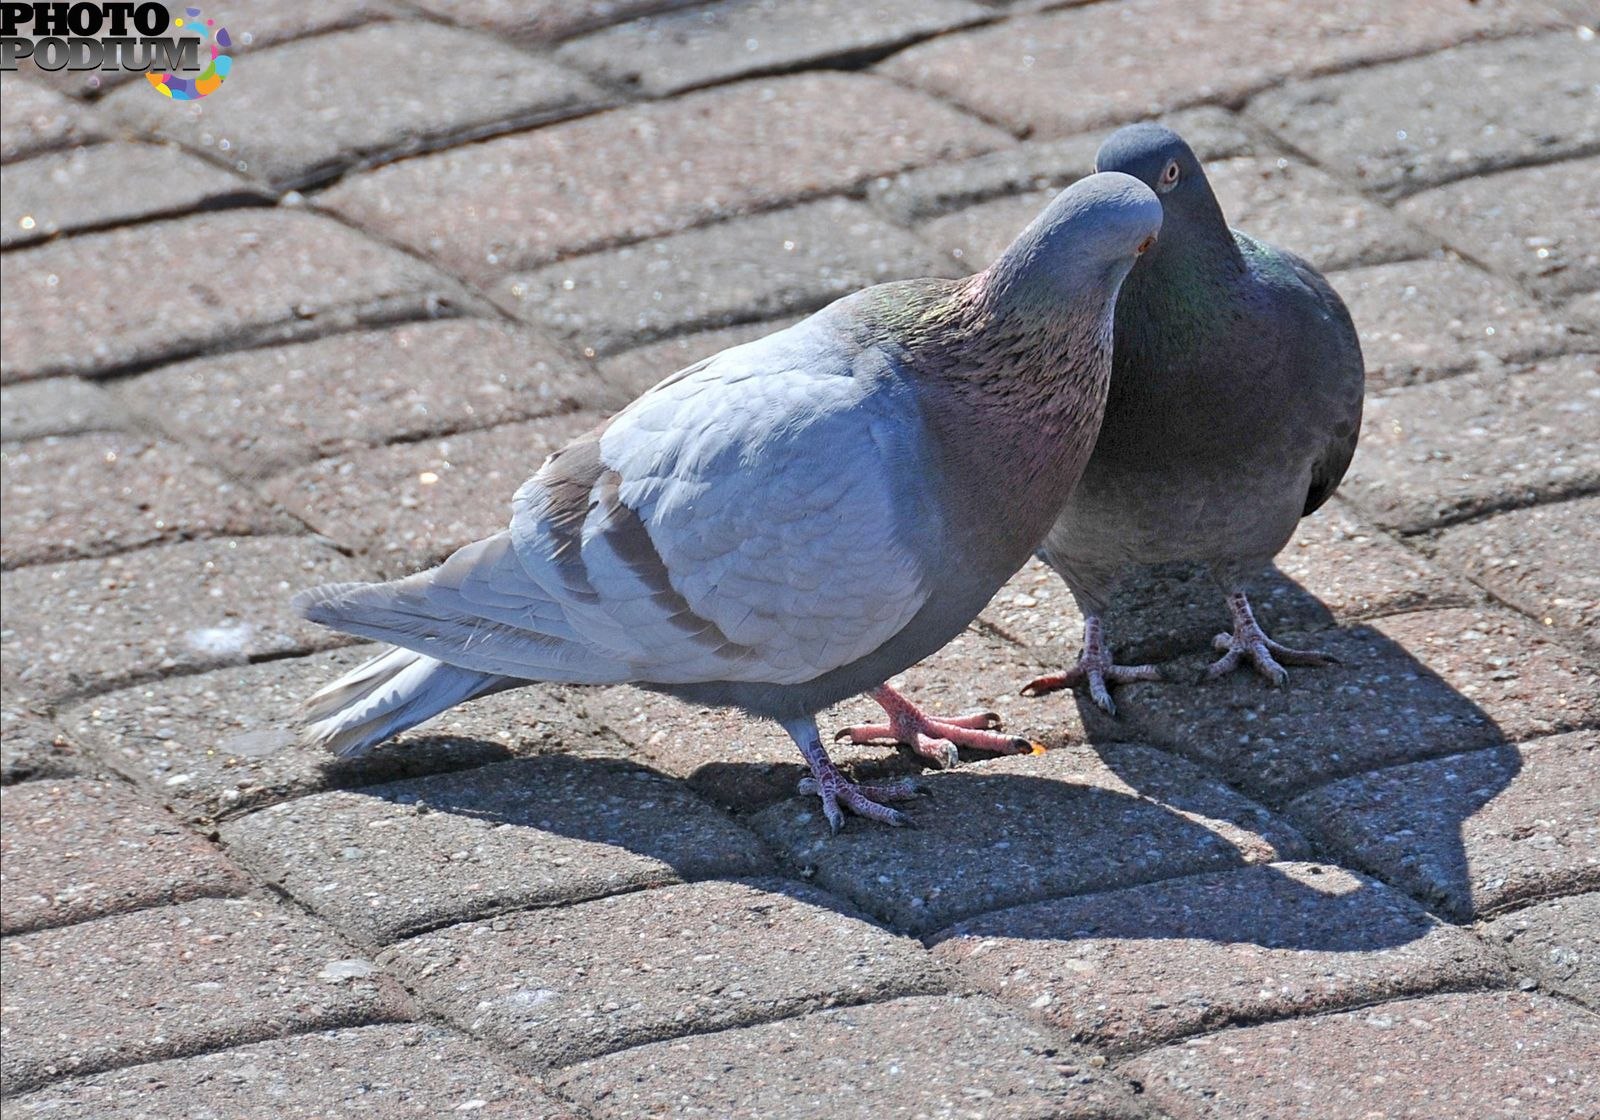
point(86, 305)
point(31, 746)
point(1424, 320)
point(409, 505)
point(1438, 454)
point(314, 108)
point(543, 831)
point(1558, 943)
point(35, 119)
point(1446, 116)
point(1473, 833)
point(923, 1056)
point(665, 54)
point(538, 21)
point(1409, 687)
point(76, 850)
point(1582, 315)
point(1534, 222)
point(69, 497)
point(656, 964)
point(1019, 829)
point(1086, 66)
point(641, 368)
point(762, 267)
point(1129, 968)
point(263, 411)
point(108, 185)
point(745, 764)
point(403, 1070)
point(172, 981)
point(1540, 560)
point(217, 744)
point(98, 624)
point(647, 170)
point(1502, 1054)
point(58, 406)
point(926, 192)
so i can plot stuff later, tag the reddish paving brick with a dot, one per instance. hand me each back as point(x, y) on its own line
point(96, 624)
point(69, 497)
point(58, 406)
point(1424, 320)
point(1015, 830)
point(1446, 116)
point(411, 1070)
point(1082, 67)
point(1557, 943)
point(85, 305)
point(678, 50)
point(410, 505)
point(657, 964)
point(1472, 833)
point(393, 860)
point(107, 185)
point(923, 1056)
point(173, 981)
point(1505, 1054)
point(1438, 454)
point(76, 850)
point(641, 368)
point(263, 411)
point(1540, 560)
point(537, 21)
point(646, 170)
point(35, 119)
point(1534, 223)
point(1130, 968)
point(762, 267)
point(319, 106)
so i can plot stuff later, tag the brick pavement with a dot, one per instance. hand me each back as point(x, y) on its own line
point(378, 309)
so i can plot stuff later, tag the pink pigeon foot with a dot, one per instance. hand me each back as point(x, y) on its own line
point(936, 739)
point(839, 793)
point(1094, 669)
point(1249, 641)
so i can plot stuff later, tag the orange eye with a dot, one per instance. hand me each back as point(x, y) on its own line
point(1169, 175)
point(1144, 246)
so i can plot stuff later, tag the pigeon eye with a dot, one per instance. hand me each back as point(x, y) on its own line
point(1169, 176)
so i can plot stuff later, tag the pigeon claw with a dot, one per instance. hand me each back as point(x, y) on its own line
point(839, 793)
point(1265, 656)
point(1095, 674)
point(934, 738)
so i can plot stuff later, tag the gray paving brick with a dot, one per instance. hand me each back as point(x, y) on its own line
point(1130, 968)
point(373, 94)
point(107, 185)
point(1446, 116)
point(752, 268)
point(1535, 222)
point(409, 505)
point(404, 1070)
point(924, 1056)
point(636, 370)
point(1583, 315)
point(677, 50)
point(1540, 560)
point(539, 21)
point(1507, 1055)
point(75, 850)
point(1424, 320)
point(1472, 833)
point(1015, 830)
point(172, 981)
point(95, 624)
point(89, 305)
point(657, 964)
point(58, 406)
point(647, 170)
point(36, 119)
point(1084, 66)
point(31, 745)
point(534, 832)
point(1437, 454)
point(69, 497)
point(263, 411)
point(1557, 944)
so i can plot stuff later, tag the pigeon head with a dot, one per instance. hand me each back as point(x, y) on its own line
point(1159, 158)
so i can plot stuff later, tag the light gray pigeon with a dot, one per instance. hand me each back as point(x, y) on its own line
point(1234, 410)
point(788, 522)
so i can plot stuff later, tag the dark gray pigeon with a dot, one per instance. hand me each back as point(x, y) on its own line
point(1234, 410)
point(788, 522)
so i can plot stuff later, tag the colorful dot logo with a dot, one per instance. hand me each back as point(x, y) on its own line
point(193, 89)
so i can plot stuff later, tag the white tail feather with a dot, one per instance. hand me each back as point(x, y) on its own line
point(385, 696)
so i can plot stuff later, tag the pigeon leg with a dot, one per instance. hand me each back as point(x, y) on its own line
point(1094, 669)
point(933, 738)
point(838, 792)
point(1249, 641)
